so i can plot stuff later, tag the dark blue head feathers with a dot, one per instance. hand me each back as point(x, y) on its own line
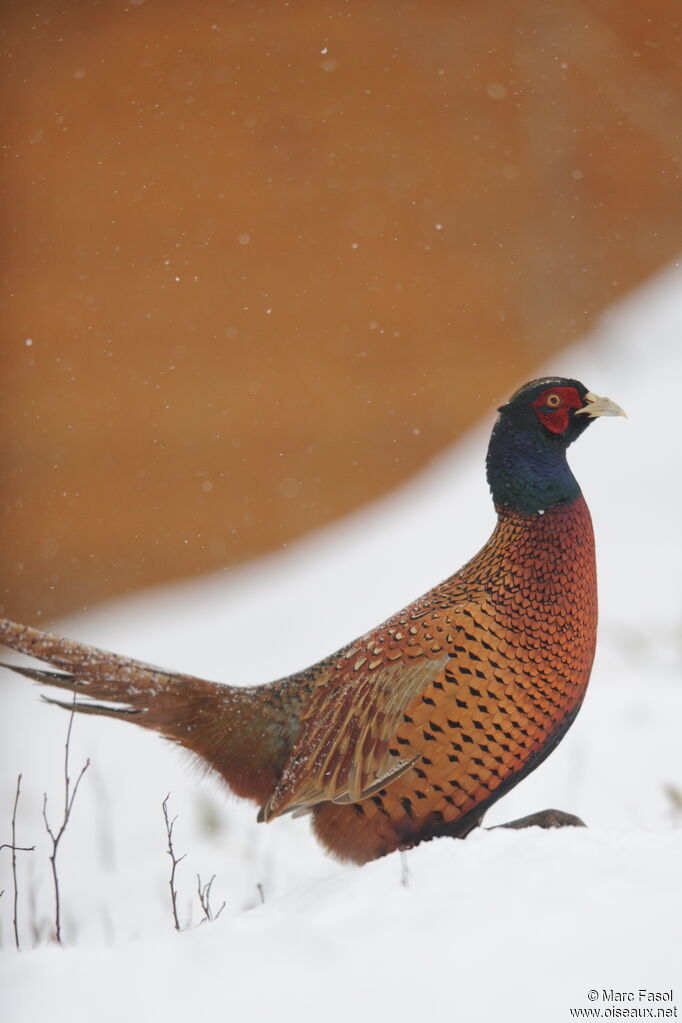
point(526, 464)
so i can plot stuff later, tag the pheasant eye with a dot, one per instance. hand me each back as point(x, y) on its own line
point(553, 400)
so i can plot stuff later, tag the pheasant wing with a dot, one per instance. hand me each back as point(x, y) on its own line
point(342, 754)
point(347, 746)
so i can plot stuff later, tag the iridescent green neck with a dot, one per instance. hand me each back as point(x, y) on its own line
point(528, 471)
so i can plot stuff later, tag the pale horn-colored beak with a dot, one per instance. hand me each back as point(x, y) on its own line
point(598, 406)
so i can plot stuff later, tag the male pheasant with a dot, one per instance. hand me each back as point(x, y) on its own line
point(417, 727)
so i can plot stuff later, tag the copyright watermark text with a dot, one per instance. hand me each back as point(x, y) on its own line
point(640, 1003)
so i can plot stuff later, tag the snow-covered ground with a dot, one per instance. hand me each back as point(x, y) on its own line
point(503, 926)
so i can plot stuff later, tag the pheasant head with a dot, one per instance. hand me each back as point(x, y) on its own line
point(526, 464)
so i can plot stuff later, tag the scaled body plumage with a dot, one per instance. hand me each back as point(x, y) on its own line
point(417, 727)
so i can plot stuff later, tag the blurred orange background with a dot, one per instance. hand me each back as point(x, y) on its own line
point(262, 261)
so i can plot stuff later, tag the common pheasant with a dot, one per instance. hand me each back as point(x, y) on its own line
point(416, 728)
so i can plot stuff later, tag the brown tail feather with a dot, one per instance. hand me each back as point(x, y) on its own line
point(54, 678)
point(245, 734)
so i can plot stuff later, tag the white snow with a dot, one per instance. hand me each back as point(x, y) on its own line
point(508, 926)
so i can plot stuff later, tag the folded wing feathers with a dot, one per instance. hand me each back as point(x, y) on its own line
point(343, 755)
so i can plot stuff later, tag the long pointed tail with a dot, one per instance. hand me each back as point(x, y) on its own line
point(245, 734)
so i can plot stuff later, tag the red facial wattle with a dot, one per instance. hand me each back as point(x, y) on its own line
point(553, 407)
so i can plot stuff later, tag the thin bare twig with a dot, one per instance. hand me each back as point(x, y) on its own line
point(15, 918)
point(204, 893)
point(174, 860)
point(56, 836)
point(15, 849)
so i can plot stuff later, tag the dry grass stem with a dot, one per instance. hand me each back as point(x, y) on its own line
point(204, 893)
